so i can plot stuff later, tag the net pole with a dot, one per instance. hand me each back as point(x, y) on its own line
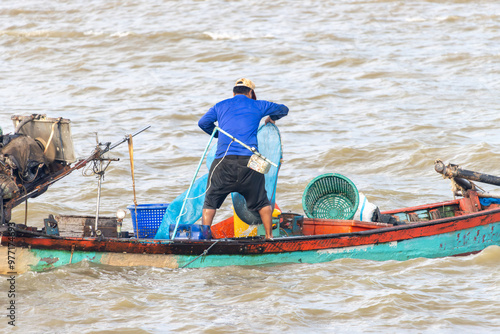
point(192, 182)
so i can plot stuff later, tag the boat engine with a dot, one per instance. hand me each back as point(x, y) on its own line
point(39, 148)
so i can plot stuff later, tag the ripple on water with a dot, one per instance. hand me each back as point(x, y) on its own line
point(377, 91)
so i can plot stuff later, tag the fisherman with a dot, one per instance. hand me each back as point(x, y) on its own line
point(240, 117)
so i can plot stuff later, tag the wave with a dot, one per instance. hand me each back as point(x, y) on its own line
point(221, 35)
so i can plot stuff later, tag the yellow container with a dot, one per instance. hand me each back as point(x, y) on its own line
point(242, 229)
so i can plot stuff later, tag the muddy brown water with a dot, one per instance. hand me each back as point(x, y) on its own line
point(377, 91)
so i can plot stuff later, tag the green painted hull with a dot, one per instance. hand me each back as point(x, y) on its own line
point(461, 242)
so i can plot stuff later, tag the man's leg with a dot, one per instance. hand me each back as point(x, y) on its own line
point(208, 216)
point(266, 215)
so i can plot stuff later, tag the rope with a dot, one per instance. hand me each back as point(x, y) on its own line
point(52, 134)
point(251, 149)
point(34, 176)
point(131, 153)
point(209, 182)
point(190, 186)
point(205, 252)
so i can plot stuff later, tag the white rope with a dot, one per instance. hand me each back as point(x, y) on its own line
point(209, 180)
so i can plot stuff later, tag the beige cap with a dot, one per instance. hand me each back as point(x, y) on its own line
point(246, 83)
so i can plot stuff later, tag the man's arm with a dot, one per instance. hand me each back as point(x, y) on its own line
point(274, 111)
point(207, 122)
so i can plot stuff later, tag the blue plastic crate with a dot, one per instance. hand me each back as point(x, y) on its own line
point(149, 218)
point(191, 232)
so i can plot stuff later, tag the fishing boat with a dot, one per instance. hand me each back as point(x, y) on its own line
point(465, 225)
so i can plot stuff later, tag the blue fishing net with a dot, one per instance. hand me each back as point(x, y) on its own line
point(194, 204)
point(269, 140)
point(486, 201)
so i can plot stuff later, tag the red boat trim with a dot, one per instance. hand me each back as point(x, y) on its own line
point(243, 246)
point(423, 207)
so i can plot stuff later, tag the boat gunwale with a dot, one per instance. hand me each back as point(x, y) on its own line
point(249, 246)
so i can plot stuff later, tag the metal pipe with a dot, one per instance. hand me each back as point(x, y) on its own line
point(463, 183)
point(252, 149)
point(112, 146)
point(98, 201)
point(455, 171)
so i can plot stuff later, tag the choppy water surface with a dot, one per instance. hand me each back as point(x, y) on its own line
point(377, 91)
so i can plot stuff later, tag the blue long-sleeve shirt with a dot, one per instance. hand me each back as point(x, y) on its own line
point(240, 117)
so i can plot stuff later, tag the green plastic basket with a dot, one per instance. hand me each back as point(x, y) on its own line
point(330, 196)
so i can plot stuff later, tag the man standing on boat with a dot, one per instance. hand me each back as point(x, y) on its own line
point(240, 117)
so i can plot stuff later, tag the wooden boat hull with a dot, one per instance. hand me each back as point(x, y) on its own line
point(451, 236)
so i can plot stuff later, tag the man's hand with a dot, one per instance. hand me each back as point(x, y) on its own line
point(269, 120)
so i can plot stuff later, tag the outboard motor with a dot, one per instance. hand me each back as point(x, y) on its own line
point(39, 148)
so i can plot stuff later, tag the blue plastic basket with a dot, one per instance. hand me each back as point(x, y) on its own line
point(149, 218)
